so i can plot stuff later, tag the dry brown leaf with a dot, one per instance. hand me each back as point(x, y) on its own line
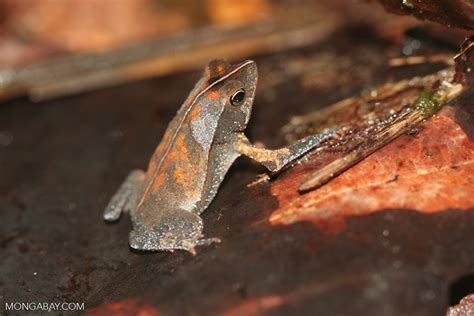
point(429, 172)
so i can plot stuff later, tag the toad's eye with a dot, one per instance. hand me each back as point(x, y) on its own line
point(238, 97)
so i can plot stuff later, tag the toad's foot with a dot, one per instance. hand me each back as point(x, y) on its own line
point(177, 229)
point(149, 242)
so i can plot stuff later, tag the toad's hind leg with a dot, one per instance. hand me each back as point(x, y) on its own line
point(169, 230)
point(126, 197)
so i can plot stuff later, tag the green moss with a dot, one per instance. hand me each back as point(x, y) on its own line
point(428, 102)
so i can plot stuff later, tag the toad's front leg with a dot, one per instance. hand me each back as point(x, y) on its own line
point(274, 160)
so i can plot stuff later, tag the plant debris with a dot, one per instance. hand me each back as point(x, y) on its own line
point(452, 13)
point(374, 120)
point(369, 123)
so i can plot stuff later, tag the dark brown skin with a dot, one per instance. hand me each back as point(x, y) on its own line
point(199, 146)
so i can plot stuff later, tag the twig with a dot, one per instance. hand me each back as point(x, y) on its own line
point(423, 107)
point(74, 74)
point(416, 60)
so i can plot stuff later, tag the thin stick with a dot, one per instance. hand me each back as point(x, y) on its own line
point(416, 60)
point(74, 74)
point(380, 139)
point(399, 127)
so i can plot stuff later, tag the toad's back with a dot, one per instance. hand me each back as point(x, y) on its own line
point(178, 169)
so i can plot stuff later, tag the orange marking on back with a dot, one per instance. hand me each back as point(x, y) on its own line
point(195, 112)
point(180, 175)
point(213, 95)
point(179, 152)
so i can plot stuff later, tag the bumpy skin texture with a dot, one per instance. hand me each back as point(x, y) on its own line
point(197, 149)
point(464, 308)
